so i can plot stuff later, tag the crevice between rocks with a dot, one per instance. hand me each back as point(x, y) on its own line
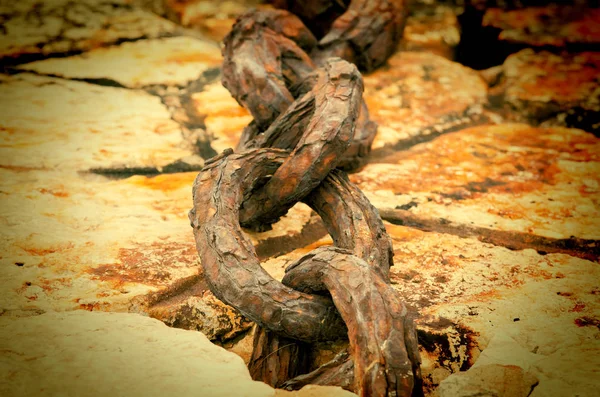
point(582, 248)
point(11, 62)
point(450, 123)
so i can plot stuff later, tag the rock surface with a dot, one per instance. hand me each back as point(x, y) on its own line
point(420, 95)
point(34, 28)
point(509, 177)
point(489, 380)
point(108, 354)
point(542, 87)
point(494, 227)
point(173, 61)
point(50, 123)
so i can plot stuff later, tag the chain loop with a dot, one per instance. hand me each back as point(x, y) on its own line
point(309, 119)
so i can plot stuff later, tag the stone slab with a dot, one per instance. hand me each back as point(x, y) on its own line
point(553, 89)
point(75, 241)
point(509, 178)
point(51, 123)
point(174, 61)
point(420, 95)
point(553, 25)
point(36, 28)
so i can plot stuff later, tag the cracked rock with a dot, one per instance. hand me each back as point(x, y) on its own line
point(172, 61)
point(509, 178)
point(489, 380)
point(36, 28)
point(51, 123)
point(418, 96)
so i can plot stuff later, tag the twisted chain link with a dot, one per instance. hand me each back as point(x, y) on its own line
point(310, 123)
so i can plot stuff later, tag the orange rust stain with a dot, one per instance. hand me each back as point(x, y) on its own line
point(55, 193)
point(150, 264)
point(165, 182)
point(46, 251)
point(513, 159)
point(195, 58)
point(579, 307)
point(402, 233)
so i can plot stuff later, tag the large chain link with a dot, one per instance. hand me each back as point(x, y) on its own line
point(309, 121)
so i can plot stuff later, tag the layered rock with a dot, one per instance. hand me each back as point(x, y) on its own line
point(107, 354)
point(550, 89)
point(36, 28)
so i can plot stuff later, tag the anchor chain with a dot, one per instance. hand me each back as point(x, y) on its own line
point(310, 123)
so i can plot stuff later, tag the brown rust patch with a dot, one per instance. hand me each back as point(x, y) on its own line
point(55, 193)
point(510, 159)
point(153, 264)
point(553, 25)
point(587, 321)
point(165, 182)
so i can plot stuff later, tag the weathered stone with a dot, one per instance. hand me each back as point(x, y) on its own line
point(107, 354)
point(50, 123)
point(418, 96)
point(174, 61)
point(554, 89)
point(560, 26)
point(71, 241)
point(489, 380)
point(213, 19)
point(223, 117)
point(36, 28)
point(513, 180)
point(432, 29)
point(489, 35)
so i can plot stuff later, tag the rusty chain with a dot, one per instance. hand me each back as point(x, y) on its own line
point(310, 122)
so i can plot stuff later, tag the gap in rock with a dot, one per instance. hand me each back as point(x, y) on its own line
point(513, 240)
point(9, 62)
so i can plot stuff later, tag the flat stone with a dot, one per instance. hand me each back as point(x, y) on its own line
point(107, 354)
point(74, 241)
point(489, 380)
point(420, 95)
point(50, 123)
point(208, 17)
point(36, 28)
point(432, 28)
point(509, 182)
point(554, 89)
point(174, 61)
point(224, 119)
point(549, 26)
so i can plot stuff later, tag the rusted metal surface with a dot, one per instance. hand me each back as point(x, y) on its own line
point(311, 113)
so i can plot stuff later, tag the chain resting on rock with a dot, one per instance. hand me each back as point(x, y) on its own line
point(310, 123)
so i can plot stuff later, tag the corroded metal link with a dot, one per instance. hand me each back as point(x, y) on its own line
point(353, 224)
point(264, 54)
point(380, 342)
point(336, 100)
point(314, 120)
point(265, 68)
point(366, 33)
point(230, 265)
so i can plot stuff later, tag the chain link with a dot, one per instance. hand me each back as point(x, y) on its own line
point(310, 120)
